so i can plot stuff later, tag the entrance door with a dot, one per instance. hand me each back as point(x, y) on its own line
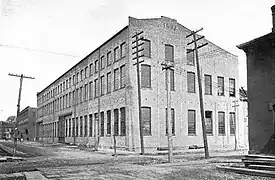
point(61, 129)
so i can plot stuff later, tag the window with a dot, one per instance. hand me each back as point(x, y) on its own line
point(147, 48)
point(86, 92)
point(169, 53)
point(61, 87)
point(85, 126)
point(66, 87)
point(190, 57)
point(91, 125)
point(102, 124)
point(232, 92)
point(173, 121)
point(91, 89)
point(66, 100)
point(116, 54)
point(96, 121)
point(109, 82)
point(80, 94)
point(96, 66)
point(208, 122)
point(208, 84)
point(123, 50)
point(102, 62)
point(122, 76)
point(116, 122)
point(221, 119)
point(81, 126)
point(70, 127)
point(109, 122)
point(232, 118)
point(76, 127)
point(73, 98)
point(91, 69)
point(191, 122)
point(116, 79)
point(73, 129)
point(76, 96)
point(70, 82)
point(220, 86)
point(96, 88)
point(146, 120)
point(172, 80)
point(109, 58)
point(73, 81)
point(77, 76)
point(85, 72)
point(81, 75)
point(191, 82)
point(102, 85)
point(122, 122)
point(145, 76)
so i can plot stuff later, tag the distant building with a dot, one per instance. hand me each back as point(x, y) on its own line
point(26, 124)
point(260, 54)
point(68, 107)
point(6, 129)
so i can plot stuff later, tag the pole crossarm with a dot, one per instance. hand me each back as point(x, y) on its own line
point(16, 75)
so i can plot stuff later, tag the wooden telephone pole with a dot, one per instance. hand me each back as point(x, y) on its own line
point(18, 105)
point(235, 105)
point(137, 55)
point(167, 66)
point(196, 47)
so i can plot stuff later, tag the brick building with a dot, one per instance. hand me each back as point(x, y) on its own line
point(69, 105)
point(26, 124)
point(260, 54)
point(6, 129)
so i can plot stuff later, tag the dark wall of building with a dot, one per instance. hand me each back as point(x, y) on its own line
point(26, 124)
point(261, 91)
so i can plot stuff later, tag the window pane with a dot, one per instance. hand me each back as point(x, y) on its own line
point(116, 79)
point(116, 122)
point(191, 122)
point(109, 58)
point(147, 48)
point(122, 77)
point(109, 122)
point(109, 82)
point(96, 87)
point(91, 125)
point(220, 86)
point(221, 119)
point(102, 85)
point(122, 122)
point(116, 54)
point(169, 53)
point(146, 120)
point(102, 124)
point(191, 82)
point(102, 62)
point(145, 76)
point(85, 126)
point(208, 122)
point(232, 87)
point(123, 49)
point(190, 57)
point(208, 84)
point(232, 123)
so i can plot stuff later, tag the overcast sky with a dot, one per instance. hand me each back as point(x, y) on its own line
point(44, 38)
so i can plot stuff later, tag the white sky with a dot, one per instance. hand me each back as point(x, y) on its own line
point(77, 27)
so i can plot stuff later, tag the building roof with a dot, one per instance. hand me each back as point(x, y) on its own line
point(83, 59)
point(259, 40)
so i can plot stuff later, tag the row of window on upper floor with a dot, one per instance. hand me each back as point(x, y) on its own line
point(83, 74)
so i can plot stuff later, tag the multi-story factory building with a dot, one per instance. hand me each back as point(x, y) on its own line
point(105, 81)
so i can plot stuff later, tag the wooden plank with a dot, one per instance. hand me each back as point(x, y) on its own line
point(247, 171)
point(259, 156)
point(262, 167)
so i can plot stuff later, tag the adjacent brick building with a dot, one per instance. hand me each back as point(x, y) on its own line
point(78, 89)
point(260, 54)
point(26, 124)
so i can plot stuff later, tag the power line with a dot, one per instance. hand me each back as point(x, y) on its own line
point(37, 50)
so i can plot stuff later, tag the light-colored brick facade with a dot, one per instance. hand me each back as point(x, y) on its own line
point(159, 31)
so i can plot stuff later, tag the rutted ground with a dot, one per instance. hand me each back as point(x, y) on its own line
point(68, 162)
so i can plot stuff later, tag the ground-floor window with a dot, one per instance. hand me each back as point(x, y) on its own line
point(109, 122)
point(116, 121)
point(85, 126)
point(102, 124)
point(91, 125)
point(191, 122)
point(221, 120)
point(122, 122)
point(208, 122)
point(146, 120)
point(232, 118)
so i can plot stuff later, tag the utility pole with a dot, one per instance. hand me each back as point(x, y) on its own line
point(235, 105)
point(74, 97)
point(18, 105)
point(97, 119)
point(196, 47)
point(167, 66)
point(137, 50)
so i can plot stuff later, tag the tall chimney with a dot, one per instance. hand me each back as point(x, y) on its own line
point(273, 18)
